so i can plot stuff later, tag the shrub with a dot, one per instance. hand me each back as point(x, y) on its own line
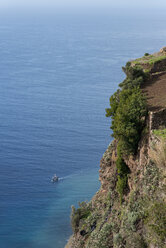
point(122, 167)
point(135, 76)
point(121, 186)
point(133, 72)
point(123, 171)
point(129, 84)
point(118, 240)
point(156, 223)
point(82, 212)
point(127, 111)
point(135, 241)
point(131, 221)
point(146, 54)
point(102, 238)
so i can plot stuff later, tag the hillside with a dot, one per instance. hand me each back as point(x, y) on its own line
point(129, 210)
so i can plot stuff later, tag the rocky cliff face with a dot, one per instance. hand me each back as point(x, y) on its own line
point(140, 219)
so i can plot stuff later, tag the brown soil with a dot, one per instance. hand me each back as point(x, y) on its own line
point(155, 90)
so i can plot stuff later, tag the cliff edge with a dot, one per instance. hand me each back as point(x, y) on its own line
point(129, 210)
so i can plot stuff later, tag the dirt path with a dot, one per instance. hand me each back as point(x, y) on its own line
point(155, 90)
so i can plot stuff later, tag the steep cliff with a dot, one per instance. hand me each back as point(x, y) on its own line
point(134, 216)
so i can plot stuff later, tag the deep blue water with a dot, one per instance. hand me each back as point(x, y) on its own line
point(56, 76)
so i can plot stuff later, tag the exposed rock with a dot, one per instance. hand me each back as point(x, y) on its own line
point(163, 50)
point(139, 220)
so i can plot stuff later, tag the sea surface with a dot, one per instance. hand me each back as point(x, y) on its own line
point(56, 76)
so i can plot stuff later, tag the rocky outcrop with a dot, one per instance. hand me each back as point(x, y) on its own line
point(163, 50)
point(139, 220)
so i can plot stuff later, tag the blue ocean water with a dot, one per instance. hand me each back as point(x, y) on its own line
point(56, 77)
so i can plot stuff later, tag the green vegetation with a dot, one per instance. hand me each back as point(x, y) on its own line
point(80, 213)
point(135, 76)
point(149, 59)
point(146, 54)
point(156, 223)
point(128, 111)
point(154, 59)
point(123, 172)
point(129, 210)
point(101, 238)
point(160, 132)
point(136, 241)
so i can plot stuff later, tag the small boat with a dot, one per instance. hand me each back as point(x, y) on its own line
point(55, 178)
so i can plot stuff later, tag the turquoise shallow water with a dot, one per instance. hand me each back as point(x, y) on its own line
point(56, 76)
